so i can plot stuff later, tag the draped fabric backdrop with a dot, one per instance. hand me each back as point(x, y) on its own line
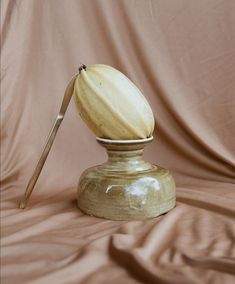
point(181, 54)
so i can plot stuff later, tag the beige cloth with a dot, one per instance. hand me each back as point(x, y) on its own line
point(181, 54)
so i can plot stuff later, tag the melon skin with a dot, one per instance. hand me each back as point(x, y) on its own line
point(111, 105)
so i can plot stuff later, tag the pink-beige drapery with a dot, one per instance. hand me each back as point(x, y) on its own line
point(181, 54)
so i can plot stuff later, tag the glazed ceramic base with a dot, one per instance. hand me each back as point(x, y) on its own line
point(126, 187)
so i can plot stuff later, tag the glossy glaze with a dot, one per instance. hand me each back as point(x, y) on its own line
point(126, 187)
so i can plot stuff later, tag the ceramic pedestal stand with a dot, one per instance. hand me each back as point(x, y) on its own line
point(126, 187)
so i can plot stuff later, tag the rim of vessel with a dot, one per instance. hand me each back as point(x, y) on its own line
point(124, 141)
